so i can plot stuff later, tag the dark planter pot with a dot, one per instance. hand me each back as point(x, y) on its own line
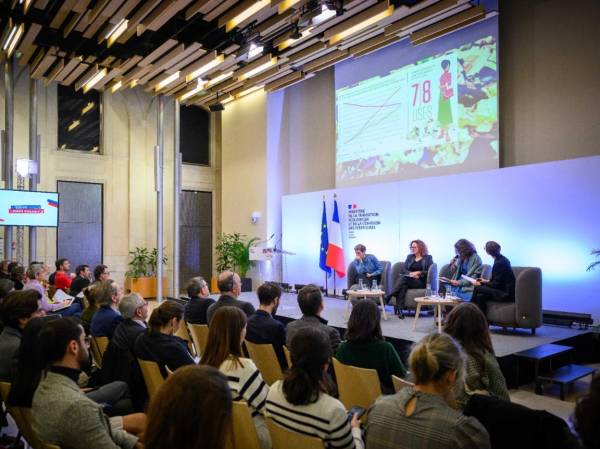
point(246, 284)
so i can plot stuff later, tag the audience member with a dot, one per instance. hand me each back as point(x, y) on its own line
point(16, 310)
point(159, 343)
point(230, 286)
point(310, 301)
point(4, 271)
point(62, 277)
point(6, 286)
point(467, 262)
point(224, 351)
point(262, 327)
point(37, 274)
point(82, 279)
point(586, 418)
point(18, 276)
point(422, 416)
point(414, 274)
point(199, 302)
point(202, 389)
point(101, 273)
point(107, 317)
point(90, 307)
point(62, 414)
point(365, 347)
point(367, 267)
point(468, 326)
point(302, 402)
point(134, 310)
point(501, 286)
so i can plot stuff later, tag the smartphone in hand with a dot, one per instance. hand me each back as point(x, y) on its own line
point(356, 409)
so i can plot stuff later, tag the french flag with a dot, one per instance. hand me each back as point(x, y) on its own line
point(52, 203)
point(335, 251)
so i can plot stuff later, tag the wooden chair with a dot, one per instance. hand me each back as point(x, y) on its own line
point(199, 333)
point(50, 446)
point(152, 376)
point(282, 438)
point(244, 431)
point(4, 390)
point(288, 356)
point(98, 346)
point(400, 383)
point(184, 334)
point(23, 419)
point(357, 386)
point(266, 361)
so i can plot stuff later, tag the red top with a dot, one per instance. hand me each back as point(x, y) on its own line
point(445, 85)
point(62, 280)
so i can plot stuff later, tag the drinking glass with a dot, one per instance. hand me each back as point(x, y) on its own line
point(361, 286)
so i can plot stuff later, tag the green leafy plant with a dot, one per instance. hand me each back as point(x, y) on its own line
point(143, 262)
point(595, 252)
point(233, 253)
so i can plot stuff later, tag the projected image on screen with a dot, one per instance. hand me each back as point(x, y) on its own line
point(436, 115)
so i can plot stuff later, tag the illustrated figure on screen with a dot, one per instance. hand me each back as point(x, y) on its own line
point(444, 106)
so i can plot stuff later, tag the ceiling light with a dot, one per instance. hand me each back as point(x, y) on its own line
point(325, 14)
point(116, 86)
point(88, 108)
point(93, 80)
point(73, 125)
point(255, 50)
point(256, 67)
point(168, 80)
point(246, 13)
point(218, 79)
point(358, 22)
point(116, 32)
point(13, 38)
point(199, 86)
point(205, 68)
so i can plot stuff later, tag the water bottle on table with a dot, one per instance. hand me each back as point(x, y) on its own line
point(428, 291)
point(361, 286)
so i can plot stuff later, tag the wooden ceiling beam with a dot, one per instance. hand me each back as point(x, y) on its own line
point(54, 71)
point(67, 69)
point(123, 11)
point(158, 52)
point(62, 14)
point(135, 20)
point(44, 64)
point(76, 73)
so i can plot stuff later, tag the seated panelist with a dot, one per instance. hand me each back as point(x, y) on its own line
point(367, 267)
point(466, 262)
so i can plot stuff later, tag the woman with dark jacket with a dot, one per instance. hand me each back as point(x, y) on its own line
point(414, 275)
point(501, 286)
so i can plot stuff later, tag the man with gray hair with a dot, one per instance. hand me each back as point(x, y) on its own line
point(199, 302)
point(134, 310)
point(108, 294)
point(230, 286)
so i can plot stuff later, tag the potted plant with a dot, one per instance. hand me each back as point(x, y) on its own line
point(141, 276)
point(233, 253)
point(595, 252)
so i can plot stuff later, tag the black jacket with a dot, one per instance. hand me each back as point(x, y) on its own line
point(426, 262)
point(503, 277)
point(226, 300)
point(78, 284)
point(166, 350)
point(196, 308)
point(262, 328)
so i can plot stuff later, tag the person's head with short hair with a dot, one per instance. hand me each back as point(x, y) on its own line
point(166, 318)
point(226, 333)
point(101, 273)
point(418, 248)
point(360, 251)
point(203, 389)
point(4, 266)
point(6, 286)
point(83, 271)
point(436, 362)
point(464, 249)
point(229, 283)
point(364, 324)
point(307, 378)
point(62, 265)
point(134, 307)
point(493, 249)
point(467, 324)
point(19, 307)
point(11, 265)
point(37, 272)
point(197, 287)
point(269, 295)
point(108, 294)
point(63, 343)
point(586, 419)
point(310, 300)
point(18, 273)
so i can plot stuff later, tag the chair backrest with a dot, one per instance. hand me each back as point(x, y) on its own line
point(184, 334)
point(4, 390)
point(23, 419)
point(282, 438)
point(486, 271)
point(528, 296)
point(357, 386)
point(351, 275)
point(266, 361)
point(386, 268)
point(152, 376)
point(199, 334)
point(288, 356)
point(244, 431)
point(400, 383)
point(98, 346)
point(432, 274)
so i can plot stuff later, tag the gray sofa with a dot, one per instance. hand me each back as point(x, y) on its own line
point(411, 294)
point(352, 277)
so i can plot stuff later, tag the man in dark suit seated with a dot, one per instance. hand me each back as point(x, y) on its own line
point(82, 279)
point(230, 286)
point(134, 310)
point(107, 318)
point(262, 328)
point(501, 286)
point(197, 306)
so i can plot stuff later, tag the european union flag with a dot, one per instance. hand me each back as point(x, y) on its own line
point(324, 242)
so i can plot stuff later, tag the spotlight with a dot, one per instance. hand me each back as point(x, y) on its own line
point(296, 34)
point(216, 107)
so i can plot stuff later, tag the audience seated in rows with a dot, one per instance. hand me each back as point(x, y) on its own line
point(365, 347)
point(230, 286)
point(201, 389)
point(37, 274)
point(61, 413)
point(62, 278)
point(423, 415)
point(107, 317)
point(310, 301)
point(302, 401)
point(469, 327)
point(4, 270)
point(159, 342)
point(467, 262)
point(6, 286)
point(197, 306)
point(262, 327)
point(224, 352)
point(16, 310)
point(81, 280)
point(134, 310)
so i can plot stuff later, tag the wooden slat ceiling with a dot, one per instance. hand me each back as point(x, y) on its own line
point(199, 50)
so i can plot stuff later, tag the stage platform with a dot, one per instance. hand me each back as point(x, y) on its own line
point(504, 344)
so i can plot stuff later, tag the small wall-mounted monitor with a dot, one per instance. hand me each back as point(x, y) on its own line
point(25, 208)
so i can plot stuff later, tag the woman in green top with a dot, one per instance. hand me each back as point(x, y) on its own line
point(365, 347)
